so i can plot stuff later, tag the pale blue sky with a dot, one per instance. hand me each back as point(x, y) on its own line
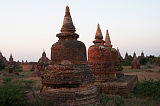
point(29, 26)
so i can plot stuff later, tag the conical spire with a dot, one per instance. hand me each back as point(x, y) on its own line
point(126, 56)
point(44, 54)
point(107, 39)
point(134, 56)
point(119, 54)
point(11, 55)
point(11, 59)
point(0, 53)
point(67, 22)
point(98, 36)
point(142, 54)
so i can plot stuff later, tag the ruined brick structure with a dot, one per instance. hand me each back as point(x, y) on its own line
point(43, 62)
point(4, 60)
point(11, 64)
point(36, 72)
point(67, 80)
point(100, 58)
point(135, 63)
point(103, 60)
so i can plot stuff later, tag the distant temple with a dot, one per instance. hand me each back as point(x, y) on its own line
point(68, 78)
point(142, 55)
point(135, 64)
point(12, 64)
point(43, 62)
point(5, 62)
point(126, 56)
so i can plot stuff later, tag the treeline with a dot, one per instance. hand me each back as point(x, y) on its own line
point(142, 60)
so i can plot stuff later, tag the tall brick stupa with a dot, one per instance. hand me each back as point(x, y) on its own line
point(103, 60)
point(68, 80)
point(100, 58)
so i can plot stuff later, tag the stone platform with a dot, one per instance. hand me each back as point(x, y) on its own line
point(84, 96)
point(121, 86)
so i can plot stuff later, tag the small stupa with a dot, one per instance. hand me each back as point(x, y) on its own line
point(11, 64)
point(135, 63)
point(42, 62)
point(36, 73)
point(68, 80)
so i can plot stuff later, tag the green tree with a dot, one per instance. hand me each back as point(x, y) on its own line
point(142, 60)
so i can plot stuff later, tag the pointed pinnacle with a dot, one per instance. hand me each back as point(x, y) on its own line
point(107, 39)
point(98, 34)
point(67, 22)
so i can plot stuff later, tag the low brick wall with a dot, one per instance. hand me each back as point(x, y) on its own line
point(123, 86)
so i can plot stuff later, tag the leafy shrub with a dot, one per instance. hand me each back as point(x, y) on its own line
point(111, 100)
point(151, 59)
point(6, 80)
point(158, 61)
point(148, 65)
point(127, 61)
point(18, 69)
point(13, 93)
point(142, 60)
point(147, 88)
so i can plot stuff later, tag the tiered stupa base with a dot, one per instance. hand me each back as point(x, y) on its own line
point(121, 86)
point(82, 96)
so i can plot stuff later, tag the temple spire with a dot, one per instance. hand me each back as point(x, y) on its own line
point(134, 56)
point(44, 53)
point(98, 36)
point(107, 39)
point(126, 55)
point(67, 22)
point(142, 54)
point(11, 55)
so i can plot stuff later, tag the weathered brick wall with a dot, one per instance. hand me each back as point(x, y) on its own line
point(100, 61)
point(71, 50)
point(120, 88)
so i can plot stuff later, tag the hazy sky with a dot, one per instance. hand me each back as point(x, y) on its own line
point(29, 26)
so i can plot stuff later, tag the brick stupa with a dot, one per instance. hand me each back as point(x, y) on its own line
point(103, 60)
point(115, 54)
point(43, 62)
point(135, 63)
point(68, 79)
point(100, 58)
point(4, 60)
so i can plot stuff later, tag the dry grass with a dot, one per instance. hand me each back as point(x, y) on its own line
point(142, 73)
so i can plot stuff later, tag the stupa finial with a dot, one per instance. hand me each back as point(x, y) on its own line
point(67, 22)
point(98, 36)
point(107, 39)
